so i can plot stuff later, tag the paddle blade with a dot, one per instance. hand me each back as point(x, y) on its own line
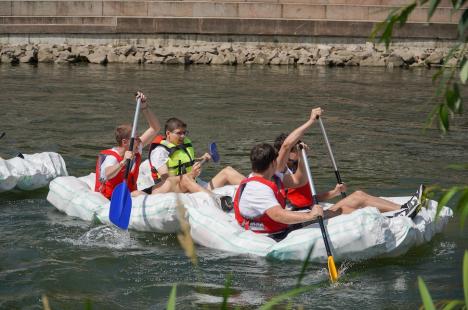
point(120, 206)
point(332, 269)
point(214, 152)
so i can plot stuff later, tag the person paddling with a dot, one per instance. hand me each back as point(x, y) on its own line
point(110, 165)
point(174, 155)
point(259, 203)
point(301, 198)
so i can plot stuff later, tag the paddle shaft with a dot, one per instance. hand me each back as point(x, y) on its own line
point(330, 152)
point(132, 137)
point(315, 200)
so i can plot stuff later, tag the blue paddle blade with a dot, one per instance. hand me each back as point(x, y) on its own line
point(214, 152)
point(120, 206)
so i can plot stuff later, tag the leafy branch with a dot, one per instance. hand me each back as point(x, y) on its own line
point(451, 101)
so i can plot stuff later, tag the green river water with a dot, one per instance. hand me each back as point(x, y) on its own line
point(374, 119)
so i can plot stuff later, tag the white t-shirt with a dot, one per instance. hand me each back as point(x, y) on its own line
point(159, 157)
point(257, 198)
point(110, 161)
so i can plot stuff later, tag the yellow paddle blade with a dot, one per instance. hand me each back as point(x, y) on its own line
point(332, 269)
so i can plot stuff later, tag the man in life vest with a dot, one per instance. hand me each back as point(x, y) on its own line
point(110, 165)
point(260, 202)
point(174, 155)
point(301, 197)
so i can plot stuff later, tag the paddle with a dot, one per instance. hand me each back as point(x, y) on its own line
point(121, 200)
point(2, 135)
point(331, 262)
point(213, 151)
point(325, 137)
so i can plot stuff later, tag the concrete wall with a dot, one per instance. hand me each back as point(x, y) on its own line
point(350, 20)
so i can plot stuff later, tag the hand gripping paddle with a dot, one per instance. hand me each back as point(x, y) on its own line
point(213, 151)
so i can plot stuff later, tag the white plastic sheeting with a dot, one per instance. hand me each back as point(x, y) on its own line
point(76, 197)
point(32, 172)
point(363, 234)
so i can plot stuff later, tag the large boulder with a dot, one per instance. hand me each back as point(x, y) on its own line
point(376, 60)
point(219, 60)
point(135, 59)
point(45, 55)
point(323, 61)
point(231, 58)
point(171, 60)
point(435, 58)
point(30, 56)
point(62, 56)
point(98, 57)
point(153, 59)
point(261, 59)
point(395, 60)
point(304, 60)
point(127, 50)
point(112, 57)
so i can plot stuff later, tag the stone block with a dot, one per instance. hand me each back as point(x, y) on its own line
point(79, 8)
point(378, 13)
point(34, 8)
point(301, 11)
point(5, 8)
point(54, 20)
point(180, 25)
point(260, 10)
point(125, 8)
point(455, 16)
point(346, 12)
point(170, 9)
point(135, 25)
point(307, 2)
point(212, 9)
point(441, 15)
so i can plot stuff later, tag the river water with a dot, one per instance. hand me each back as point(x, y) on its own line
point(375, 120)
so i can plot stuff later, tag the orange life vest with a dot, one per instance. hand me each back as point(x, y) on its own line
point(300, 197)
point(262, 223)
point(107, 187)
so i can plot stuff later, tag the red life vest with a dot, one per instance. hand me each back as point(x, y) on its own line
point(300, 197)
point(108, 186)
point(154, 144)
point(262, 223)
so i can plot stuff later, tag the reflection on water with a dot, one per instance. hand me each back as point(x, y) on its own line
point(374, 119)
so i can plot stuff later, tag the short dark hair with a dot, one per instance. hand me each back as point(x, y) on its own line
point(173, 124)
point(261, 157)
point(279, 141)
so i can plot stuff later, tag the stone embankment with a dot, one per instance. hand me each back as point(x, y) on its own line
point(367, 54)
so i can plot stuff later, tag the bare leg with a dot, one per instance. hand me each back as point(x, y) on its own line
point(359, 199)
point(189, 185)
point(226, 176)
point(178, 184)
point(137, 193)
